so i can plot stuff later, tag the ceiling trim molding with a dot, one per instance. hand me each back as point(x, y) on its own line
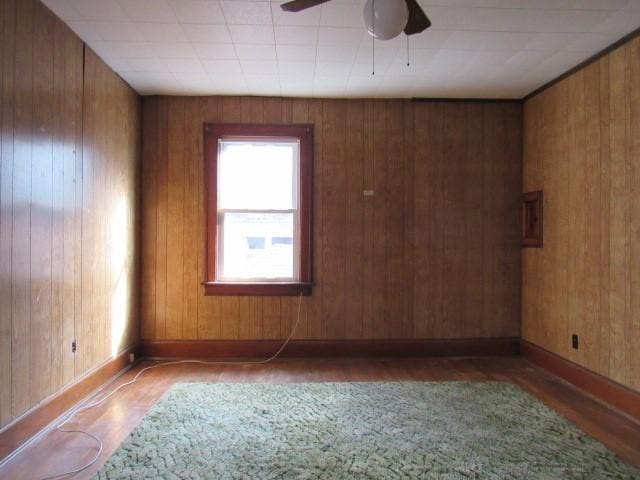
point(615, 45)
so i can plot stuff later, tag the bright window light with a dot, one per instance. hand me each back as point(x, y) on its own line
point(258, 210)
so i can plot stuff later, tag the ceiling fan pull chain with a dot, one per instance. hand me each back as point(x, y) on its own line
point(373, 56)
point(407, 50)
point(373, 38)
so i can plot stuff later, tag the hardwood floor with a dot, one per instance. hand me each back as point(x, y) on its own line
point(55, 452)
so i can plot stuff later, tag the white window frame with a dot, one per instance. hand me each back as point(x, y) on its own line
point(221, 212)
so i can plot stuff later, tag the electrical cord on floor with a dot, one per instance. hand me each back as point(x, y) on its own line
point(73, 413)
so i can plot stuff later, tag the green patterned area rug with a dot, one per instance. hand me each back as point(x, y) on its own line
point(404, 430)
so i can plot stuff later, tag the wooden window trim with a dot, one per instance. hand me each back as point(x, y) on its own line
point(212, 134)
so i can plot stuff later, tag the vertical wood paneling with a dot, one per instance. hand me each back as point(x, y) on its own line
point(510, 228)
point(401, 263)
point(407, 327)
point(436, 217)
point(110, 152)
point(577, 202)
point(531, 182)
point(396, 159)
point(88, 239)
point(21, 229)
point(175, 216)
point(161, 161)
point(7, 32)
point(473, 196)
point(605, 224)
point(255, 317)
point(379, 218)
point(633, 212)
point(618, 216)
point(102, 159)
point(60, 355)
point(586, 131)
point(333, 219)
point(562, 228)
point(454, 231)
point(592, 312)
point(244, 318)
point(368, 223)
point(148, 230)
point(229, 315)
point(548, 259)
point(314, 304)
point(354, 216)
point(113, 226)
point(77, 100)
point(492, 131)
point(270, 317)
point(423, 304)
point(286, 320)
point(191, 237)
point(209, 110)
point(68, 265)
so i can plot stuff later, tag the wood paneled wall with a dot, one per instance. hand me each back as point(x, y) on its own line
point(582, 147)
point(68, 177)
point(435, 253)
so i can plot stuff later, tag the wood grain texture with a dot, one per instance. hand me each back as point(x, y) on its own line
point(58, 452)
point(611, 393)
point(582, 149)
point(394, 347)
point(40, 417)
point(433, 253)
point(7, 84)
point(69, 139)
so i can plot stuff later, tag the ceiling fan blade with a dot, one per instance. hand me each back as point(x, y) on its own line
point(418, 21)
point(298, 5)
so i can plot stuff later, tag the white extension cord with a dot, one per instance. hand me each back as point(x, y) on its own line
point(130, 382)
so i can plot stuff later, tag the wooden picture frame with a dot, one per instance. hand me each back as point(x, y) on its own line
point(532, 226)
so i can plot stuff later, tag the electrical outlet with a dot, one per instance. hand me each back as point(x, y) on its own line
point(574, 341)
point(74, 346)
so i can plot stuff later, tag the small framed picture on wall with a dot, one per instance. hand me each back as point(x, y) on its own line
point(532, 219)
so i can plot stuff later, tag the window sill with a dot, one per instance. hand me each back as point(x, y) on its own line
point(257, 289)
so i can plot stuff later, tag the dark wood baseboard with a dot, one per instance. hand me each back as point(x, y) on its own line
point(614, 394)
point(14, 435)
point(330, 348)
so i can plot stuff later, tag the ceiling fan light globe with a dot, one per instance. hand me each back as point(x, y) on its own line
point(385, 19)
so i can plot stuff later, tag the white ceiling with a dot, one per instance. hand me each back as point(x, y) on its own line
point(475, 48)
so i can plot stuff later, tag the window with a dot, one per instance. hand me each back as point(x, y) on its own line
point(258, 200)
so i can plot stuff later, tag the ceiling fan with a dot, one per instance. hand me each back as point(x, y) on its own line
point(384, 19)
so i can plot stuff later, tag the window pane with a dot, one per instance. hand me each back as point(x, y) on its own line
point(258, 246)
point(257, 175)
